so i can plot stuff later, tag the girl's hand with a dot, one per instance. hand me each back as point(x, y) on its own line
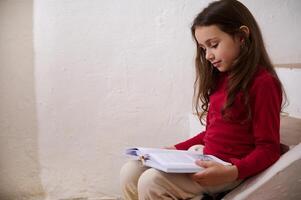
point(214, 173)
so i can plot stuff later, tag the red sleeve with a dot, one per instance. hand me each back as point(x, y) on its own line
point(265, 100)
point(198, 139)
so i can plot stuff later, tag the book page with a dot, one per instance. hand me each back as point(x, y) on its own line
point(173, 158)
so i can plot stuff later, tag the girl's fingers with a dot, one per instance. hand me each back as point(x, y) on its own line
point(206, 164)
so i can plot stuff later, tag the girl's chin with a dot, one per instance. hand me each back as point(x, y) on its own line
point(222, 68)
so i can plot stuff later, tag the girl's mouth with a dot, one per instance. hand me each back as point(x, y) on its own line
point(216, 64)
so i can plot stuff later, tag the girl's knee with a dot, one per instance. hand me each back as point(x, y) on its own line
point(130, 172)
point(149, 182)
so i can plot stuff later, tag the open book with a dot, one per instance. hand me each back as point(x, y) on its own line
point(171, 161)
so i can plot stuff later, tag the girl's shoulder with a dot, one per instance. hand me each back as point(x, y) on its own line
point(264, 80)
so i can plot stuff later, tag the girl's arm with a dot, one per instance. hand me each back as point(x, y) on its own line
point(266, 99)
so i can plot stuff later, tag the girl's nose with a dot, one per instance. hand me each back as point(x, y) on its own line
point(209, 56)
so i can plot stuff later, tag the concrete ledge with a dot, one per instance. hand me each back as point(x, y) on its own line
point(289, 65)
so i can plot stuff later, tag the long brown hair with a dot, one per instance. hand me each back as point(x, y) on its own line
point(229, 16)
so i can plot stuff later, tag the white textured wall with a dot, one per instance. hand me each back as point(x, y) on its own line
point(105, 75)
point(109, 74)
point(291, 80)
point(280, 24)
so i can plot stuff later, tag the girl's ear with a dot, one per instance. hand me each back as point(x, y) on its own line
point(245, 30)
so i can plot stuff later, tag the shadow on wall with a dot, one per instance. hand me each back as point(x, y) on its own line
point(19, 164)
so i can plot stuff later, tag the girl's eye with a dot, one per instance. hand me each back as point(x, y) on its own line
point(214, 46)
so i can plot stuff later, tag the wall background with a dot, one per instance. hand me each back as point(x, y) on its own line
point(19, 152)
point(82, 80)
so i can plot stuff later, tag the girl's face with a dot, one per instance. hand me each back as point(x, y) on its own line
point(221, 48)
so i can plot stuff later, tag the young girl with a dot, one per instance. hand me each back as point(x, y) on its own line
point(238, 91)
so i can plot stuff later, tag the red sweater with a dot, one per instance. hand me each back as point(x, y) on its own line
point(253, 145)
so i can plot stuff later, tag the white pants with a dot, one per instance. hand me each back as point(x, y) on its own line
point(143, 183)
